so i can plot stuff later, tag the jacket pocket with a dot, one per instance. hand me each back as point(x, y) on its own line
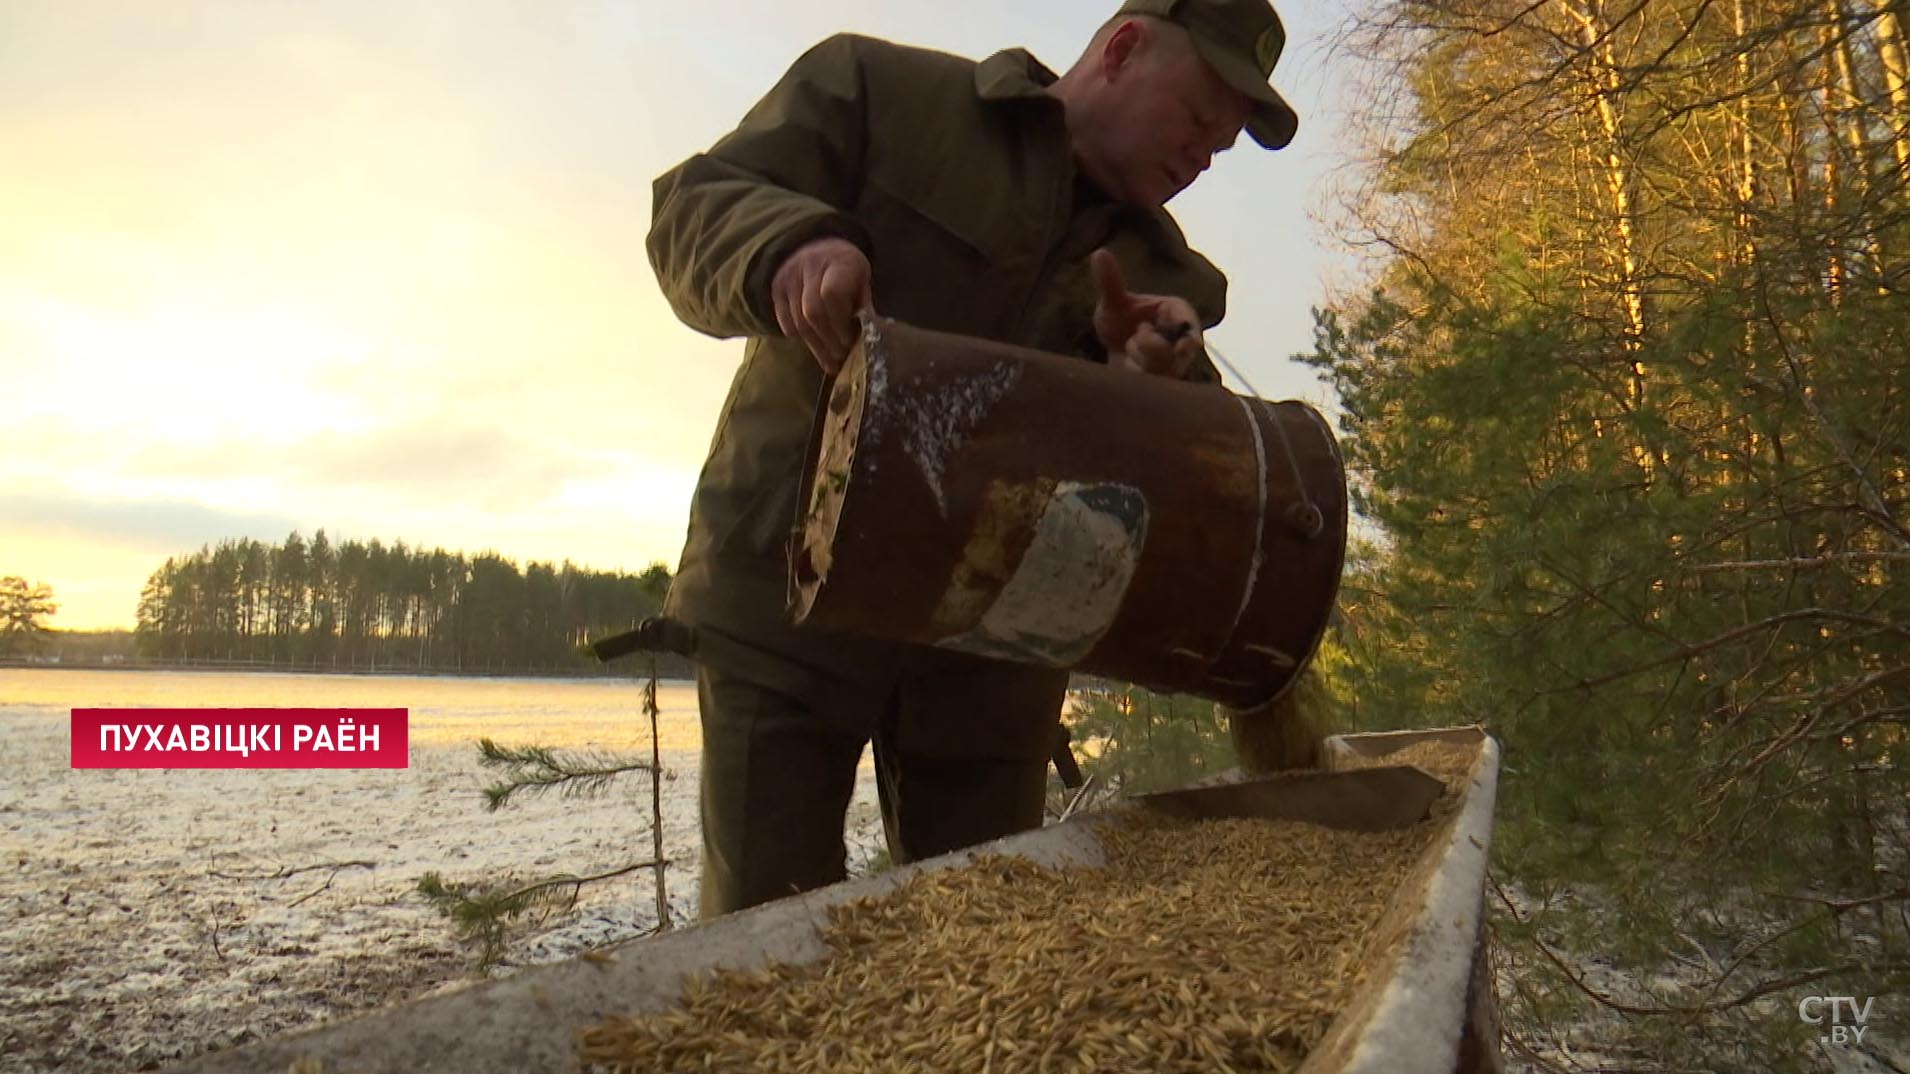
point(937, 254)
point(924, 196)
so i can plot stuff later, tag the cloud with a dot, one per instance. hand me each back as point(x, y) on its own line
point(416, 463)
point(166, 526)
point(419, 458)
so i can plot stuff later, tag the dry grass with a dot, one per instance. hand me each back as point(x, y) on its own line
point(1217, 945)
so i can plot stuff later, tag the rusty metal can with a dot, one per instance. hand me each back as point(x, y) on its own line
point(1047, 510)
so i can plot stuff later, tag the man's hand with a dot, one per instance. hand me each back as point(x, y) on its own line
point(1143, 333)
point(817, 291)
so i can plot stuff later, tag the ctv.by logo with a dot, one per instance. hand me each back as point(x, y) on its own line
point(1843, 1018)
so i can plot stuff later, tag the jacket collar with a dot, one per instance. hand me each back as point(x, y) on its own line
point(1012, 74)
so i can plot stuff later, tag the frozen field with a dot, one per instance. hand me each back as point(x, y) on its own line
point(146, 916)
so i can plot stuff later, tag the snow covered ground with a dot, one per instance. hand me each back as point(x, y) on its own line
point(148, 916)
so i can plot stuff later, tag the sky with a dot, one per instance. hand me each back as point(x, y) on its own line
point(378, 267)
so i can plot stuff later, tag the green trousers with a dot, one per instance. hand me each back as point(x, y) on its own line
point(776, 785)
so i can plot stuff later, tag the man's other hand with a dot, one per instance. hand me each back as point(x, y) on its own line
point(1157, 334)
point(817, 291)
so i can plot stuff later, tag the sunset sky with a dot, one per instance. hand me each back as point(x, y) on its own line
point(378, 267)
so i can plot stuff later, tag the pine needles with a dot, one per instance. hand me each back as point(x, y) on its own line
point(482, 914)
point(533, 770)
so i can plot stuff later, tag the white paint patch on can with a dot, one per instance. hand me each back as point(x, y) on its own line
point(936, 423)
point(1070, 582)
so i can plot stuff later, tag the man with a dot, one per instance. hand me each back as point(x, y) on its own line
point(992, 200)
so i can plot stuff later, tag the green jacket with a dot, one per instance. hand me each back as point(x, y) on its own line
point(957, 180)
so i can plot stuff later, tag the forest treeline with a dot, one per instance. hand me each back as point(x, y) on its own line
point(1630, 407)
point(367, 605)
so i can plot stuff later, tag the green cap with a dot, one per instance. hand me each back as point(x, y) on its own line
point(1241, 40)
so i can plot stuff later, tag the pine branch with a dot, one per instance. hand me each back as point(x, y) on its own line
point(1686, 652)
point(1756, 992)
point(1833, 696)
point(482, 914)
point(1838, 907)
point(1872, 499)
point(1834, 908)
point(533, 770)
point(1828, 559)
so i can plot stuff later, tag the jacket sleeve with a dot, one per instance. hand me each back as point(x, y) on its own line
point(723, 221)
point(1168, 266)
point(1212, 305)
point(1203, 285)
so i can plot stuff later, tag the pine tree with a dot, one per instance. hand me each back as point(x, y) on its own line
point(1627, 407)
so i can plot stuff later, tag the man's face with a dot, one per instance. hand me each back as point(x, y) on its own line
point(1167, 114)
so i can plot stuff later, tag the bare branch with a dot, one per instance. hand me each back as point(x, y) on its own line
point(283, 874)
point(1829, 559)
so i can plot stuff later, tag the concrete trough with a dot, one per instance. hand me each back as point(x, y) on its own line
point(1431, 1010)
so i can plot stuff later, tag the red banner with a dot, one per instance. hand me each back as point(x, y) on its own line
point(241, 738)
